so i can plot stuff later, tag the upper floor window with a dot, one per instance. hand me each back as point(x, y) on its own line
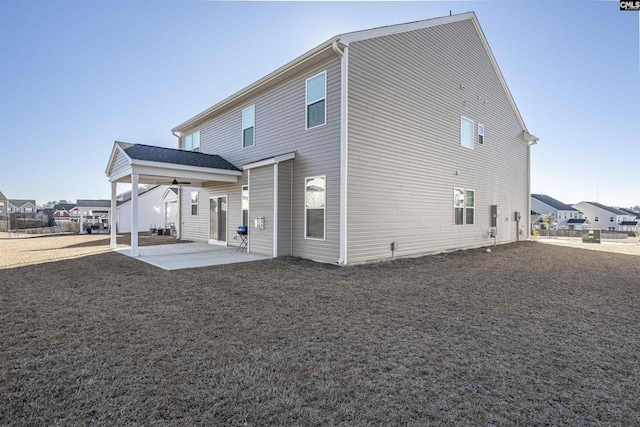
point(194, 203)
point(466, 132)
point(480, 134)
point(596, 219)
point(248, 126)
point(464, 206)
point(316, 100)
point(314, 206)
point(192, 142)
point(28, 210)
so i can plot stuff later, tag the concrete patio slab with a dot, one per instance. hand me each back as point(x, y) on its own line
point(190, 255)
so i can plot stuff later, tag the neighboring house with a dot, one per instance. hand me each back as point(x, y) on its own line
point(395, 141)
point(62, 212)
point(607, 217)
point(566, 216)
point(25, 208)
point(4, 206)
point(93, 211)
point(157, 209)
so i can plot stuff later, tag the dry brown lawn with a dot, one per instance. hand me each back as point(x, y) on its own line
point(530, 334)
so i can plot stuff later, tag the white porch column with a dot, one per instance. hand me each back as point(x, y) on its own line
point(134, 214)
point(80, 229)
point(112, 216)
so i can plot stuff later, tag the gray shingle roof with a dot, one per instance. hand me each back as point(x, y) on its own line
point(576, 221)
point(629, 223)
point(20, 202)
point(556, 204)
point(180, 157)
point(608, 208)
point(94, 203)
point(64, 206)
point(2, 196)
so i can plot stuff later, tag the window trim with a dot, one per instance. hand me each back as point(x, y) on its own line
point(306, 103)
point(480, 134)
point(464, 207)
point(196, 204)
point(242, 187)
point(324, 229)
point(253, 142)
point(473, 126)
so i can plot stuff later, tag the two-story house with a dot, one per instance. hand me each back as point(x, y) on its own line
point(396, 141)
point(606, 217)
point(62, 212)
point(4, 206)
point(566, 216)
point(24, 208)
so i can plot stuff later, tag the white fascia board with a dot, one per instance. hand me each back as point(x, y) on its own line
point(256, 86)
point(419, 25)
point(402, 28)
point(271, 161)
point(503, 82)
point(117, 148)
point(204, 176)
point(174, 166)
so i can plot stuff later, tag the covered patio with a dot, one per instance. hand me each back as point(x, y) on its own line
point(145, 164)
point(191, 255)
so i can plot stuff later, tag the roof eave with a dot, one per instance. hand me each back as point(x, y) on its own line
point(256, 86)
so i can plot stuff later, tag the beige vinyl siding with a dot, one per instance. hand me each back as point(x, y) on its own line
point(285, 172)
point(405, 105)
point(196, 228)
point(120, 163)
point(280, 129)
point(261, 205)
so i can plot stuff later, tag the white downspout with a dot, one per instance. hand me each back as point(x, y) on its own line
point(529, 225)
point(344, 141)
point(275, 210)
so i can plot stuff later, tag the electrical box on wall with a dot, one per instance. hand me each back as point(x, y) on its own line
point(494, 215)
point(517, 216)
point(259, 223)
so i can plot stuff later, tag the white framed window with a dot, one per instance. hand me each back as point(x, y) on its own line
point(464, 206)
point(466, 132)
point(316, 100)
point(480, 134)
point(194, 203)
point(192, 142)
point(596, 219)
point(245, 205)
point(315, 217)
point(248, 126)
point(610, 219)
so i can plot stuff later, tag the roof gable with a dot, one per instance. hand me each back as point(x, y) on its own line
point(608, 208)
point(179, 157)
point(2, 196)
point(344, 39)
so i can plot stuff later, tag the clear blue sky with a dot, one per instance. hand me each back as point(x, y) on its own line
point(77, 75)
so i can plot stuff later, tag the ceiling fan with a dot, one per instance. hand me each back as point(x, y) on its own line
point(175, 182)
